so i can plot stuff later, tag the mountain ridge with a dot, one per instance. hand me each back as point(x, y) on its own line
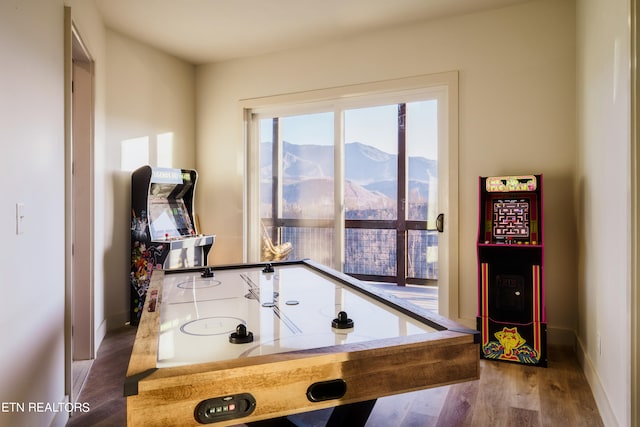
point(370, 174)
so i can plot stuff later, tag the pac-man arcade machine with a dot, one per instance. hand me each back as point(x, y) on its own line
point(511, 312)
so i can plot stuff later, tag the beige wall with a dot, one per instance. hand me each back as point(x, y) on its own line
point(517, 115)
point(32, 164)
point(149, 93)
point(603, 199)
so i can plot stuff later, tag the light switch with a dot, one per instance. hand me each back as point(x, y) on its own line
point(19, 218)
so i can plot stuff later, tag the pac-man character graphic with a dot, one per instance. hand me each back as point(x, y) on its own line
point(510, 340)
point(511, 346)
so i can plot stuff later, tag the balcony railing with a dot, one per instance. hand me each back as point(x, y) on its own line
point(369, 253)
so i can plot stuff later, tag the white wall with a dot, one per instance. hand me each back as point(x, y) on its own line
point(517, 115)
point(603, 197)
point(32, 165)
point(149, 93)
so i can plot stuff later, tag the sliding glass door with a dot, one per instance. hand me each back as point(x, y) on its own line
point(355, 188)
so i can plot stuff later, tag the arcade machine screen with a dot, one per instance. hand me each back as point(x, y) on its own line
point(168, 213)
point(510, 220)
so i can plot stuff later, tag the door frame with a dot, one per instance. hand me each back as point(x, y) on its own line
point(79, 214)
point(635, 214)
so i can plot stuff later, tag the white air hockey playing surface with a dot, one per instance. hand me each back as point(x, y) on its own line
point(292, 308)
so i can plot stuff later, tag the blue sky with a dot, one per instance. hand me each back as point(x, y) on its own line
point(374, 126)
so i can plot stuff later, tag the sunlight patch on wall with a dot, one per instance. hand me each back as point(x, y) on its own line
point(134, 153)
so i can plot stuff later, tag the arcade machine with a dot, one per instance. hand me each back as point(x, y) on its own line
point(511, 314)
point(163, 230)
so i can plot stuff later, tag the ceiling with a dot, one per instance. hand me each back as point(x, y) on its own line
point(207, 31)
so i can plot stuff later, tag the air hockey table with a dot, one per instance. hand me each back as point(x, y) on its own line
point(243, 343)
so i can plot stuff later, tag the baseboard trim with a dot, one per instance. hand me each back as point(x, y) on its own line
point(561, 337)
point(101, 331)
point(117, 321)
point(61, 418)
point(109, 324)
point(599, 394)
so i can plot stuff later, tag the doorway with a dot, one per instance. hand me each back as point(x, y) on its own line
point(79, 124)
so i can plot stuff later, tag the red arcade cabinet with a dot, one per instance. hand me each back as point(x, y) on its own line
point(163, 230)
point(511, 314)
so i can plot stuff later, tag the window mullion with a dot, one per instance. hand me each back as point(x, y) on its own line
point(401, 240)
point(338, 183)
point(275, 195)
point(276, 174)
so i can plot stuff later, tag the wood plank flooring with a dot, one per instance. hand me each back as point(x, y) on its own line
point(80, 372)
point(506, 395)
point(103, 388)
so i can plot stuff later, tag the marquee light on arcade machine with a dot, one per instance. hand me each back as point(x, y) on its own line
point(163, 231)
point(511, 313)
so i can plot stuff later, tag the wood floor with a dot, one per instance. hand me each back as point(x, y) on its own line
point(104, 386)
point(506, 395)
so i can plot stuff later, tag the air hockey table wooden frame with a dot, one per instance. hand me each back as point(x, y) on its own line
point(347, 377)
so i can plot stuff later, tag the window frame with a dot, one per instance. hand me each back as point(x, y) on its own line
point(358, 96)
